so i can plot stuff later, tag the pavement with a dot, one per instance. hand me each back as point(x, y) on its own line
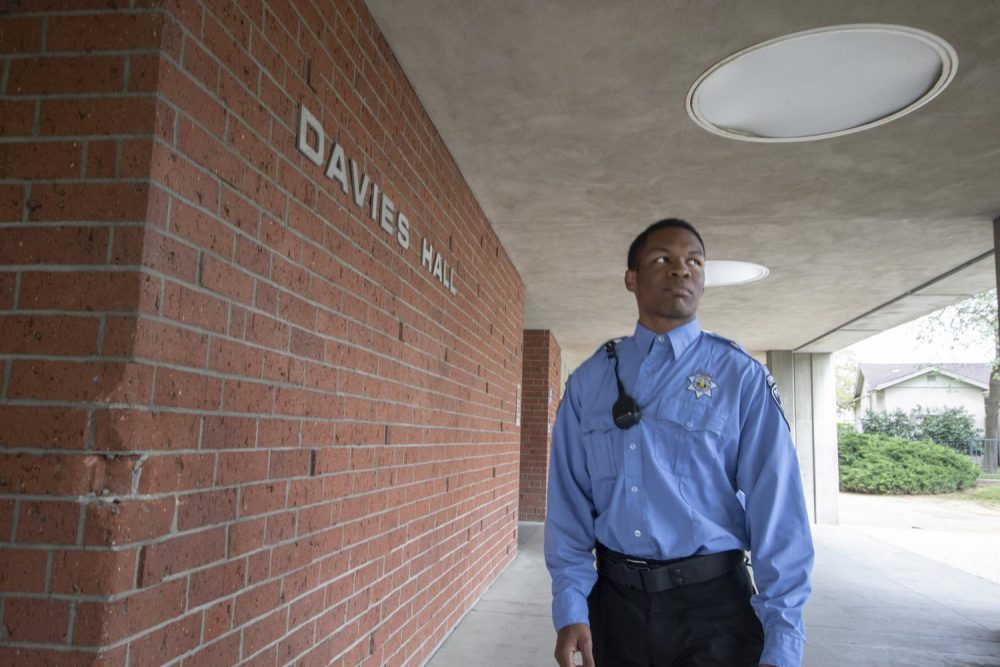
point(876, 602)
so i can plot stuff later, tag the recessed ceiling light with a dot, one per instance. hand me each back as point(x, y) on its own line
point(822, 83)
point(728, 272)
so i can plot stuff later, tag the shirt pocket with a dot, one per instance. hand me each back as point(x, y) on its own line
point(603, 447)
point(689, 434)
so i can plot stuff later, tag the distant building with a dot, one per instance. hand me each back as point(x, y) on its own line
point(890, 387)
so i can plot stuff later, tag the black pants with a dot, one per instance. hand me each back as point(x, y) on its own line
point(710, 624)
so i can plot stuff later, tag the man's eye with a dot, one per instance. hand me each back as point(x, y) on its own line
point(694, 261)
point(661, 260)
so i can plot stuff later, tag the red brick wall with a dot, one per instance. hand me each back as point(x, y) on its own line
point(238, 422)
point(542, 387)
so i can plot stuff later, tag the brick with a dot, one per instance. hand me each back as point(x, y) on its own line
point(227, 432)
point(225, 279)
point(103, 623)
point(164, 644)
point(226, 651)
point(178, 87)
point(183, 177)
point(187, 390)
point(53, 245)
point(93, 572)
point(206, 151)
point(21, 34)
point(204, 231)
point(22, 571)
point(235, 358)
point(127, 521)
point(217, 582)
point(48, 522)
point(219, 621)
point(89, 116)
point(17, 117)
point(65, 474)
point(12, 202)
point(38, 621)
point(141, 430)
point(66, 75)
point(104, 32)
point(290, 463)
point(183, 304)
point(170, 256)
point(198, 510)
point(82, 202)
point(170, 473)
point(48, 335)
point(80, 381)
point(137, 156)
point(143, 73)
point(177, 555)
point(245, 537)
point(171, 344)
point(262, 498)
point(7, 509)
point(40, 160)
point(82, 291)
point(102, 159)
point(241, 467)
point(256, 601)
point(42, 427)
point(40, 657)
point(250, 397)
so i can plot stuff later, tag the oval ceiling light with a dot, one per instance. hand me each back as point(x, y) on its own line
point(822, 83)
point(728, 272)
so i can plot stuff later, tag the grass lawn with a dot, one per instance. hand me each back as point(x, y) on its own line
point(988, 495)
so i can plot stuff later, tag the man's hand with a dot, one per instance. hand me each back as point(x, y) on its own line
point(574, 638)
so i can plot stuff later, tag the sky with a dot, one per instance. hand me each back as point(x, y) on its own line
point(901, 345)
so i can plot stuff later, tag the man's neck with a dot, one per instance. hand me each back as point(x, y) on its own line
point(662, 325)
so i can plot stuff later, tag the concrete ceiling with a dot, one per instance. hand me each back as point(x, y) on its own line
point(567, 118)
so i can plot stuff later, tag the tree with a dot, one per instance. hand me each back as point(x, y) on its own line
point(976, 315)
point(846, 373)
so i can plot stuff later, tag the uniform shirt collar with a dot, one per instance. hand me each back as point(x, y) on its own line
point(679, 339)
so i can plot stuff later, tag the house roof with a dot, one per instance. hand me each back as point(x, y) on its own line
point(880, 376)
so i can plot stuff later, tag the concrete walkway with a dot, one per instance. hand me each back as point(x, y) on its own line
point(874, 605)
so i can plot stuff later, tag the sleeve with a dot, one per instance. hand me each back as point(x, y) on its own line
point(569, 521)
point(776, 521)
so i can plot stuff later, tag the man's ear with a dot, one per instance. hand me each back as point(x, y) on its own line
point(630, 279)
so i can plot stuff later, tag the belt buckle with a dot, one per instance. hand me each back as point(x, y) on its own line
point(635, 564)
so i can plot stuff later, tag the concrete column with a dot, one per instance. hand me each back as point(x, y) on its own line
point(541, 377)
point(806, 383)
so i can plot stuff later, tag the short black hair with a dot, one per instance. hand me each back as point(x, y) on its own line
point(640, 240)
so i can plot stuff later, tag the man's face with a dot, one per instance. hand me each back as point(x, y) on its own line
point(669, 279)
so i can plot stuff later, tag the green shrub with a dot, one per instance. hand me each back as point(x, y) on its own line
point(888, 465)
point(952, 427)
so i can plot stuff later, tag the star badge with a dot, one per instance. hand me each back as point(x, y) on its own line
point(702, 384)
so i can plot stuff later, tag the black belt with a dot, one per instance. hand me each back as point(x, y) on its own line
point(655, 576)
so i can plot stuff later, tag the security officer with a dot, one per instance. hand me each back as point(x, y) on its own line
point(671, 458)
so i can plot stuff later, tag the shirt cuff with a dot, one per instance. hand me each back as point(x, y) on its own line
point(782, 649)
point(569, 607)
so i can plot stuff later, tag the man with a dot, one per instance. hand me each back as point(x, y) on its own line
point(670, 459)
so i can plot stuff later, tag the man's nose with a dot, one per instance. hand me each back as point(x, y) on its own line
point(680, 269)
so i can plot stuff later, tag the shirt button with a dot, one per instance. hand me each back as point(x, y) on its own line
point(635, 489)
point(631, 445)
point(638, 533)
point(659, 338)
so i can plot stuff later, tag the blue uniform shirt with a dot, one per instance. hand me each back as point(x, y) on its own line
point(710, 467)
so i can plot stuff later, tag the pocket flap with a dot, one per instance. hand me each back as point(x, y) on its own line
point(597, 422)
point(692, 415)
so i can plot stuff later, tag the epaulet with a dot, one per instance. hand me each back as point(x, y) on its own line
point(609, 347)
point(772, 386)
point(730, 342)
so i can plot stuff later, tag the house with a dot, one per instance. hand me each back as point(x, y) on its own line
point(890, 387)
